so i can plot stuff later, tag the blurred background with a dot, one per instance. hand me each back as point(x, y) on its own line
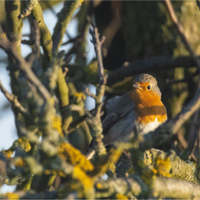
point(134, 30)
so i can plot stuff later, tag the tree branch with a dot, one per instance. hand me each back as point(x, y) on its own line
point(23, 65)
point(88, 93)
point(161, 187)
point(64, 17)
point(27, 11)
point(98, 48)
point(95, 120)
point(188, 47)
point(181, 32)
point(46, 39)
point(148, 65)
point(12, 99)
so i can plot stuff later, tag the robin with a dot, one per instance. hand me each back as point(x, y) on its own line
point(140, 110)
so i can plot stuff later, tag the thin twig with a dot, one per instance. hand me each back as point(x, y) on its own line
point(55, 14)
point(12, 99)
point(36, 40)
point(88, 93)
point(95, 120)
point(188, 47)
point(27, 42)
point(75, 124)
point(23, 65)
point(181, 32)
point(78, 38)
point(74, 107)
point(186, 112)
point(184, 80)
point(97, 46)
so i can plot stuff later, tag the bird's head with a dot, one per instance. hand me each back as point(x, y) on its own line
point(145, 89)
point(146, 84)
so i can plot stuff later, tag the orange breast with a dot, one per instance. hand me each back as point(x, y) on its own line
point(149, 115)
point(148, 106)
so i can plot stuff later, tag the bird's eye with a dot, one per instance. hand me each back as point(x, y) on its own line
point(149, 87)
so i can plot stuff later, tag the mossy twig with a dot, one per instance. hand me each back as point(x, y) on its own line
point(13, 99)
point(46, 40)
point(95, 120)
point(64, 17)
point(29, 7)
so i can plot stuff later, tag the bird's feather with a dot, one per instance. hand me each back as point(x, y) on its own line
point(117, 107)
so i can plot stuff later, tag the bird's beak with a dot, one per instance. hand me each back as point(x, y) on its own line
point(136, 86)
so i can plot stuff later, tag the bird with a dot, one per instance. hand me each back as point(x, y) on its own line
point(140, 110)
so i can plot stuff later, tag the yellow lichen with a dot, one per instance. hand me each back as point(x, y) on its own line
point(49, 172)
point(112, 168)
point(19, 162)
point(120, 196)
point(74, 156)
point(22, 142)
point(57, 124)
point(74, 186)
point(54, 172)
point(105, 164)
point(162, 166)
point(148, 157)
point(7, 153)
point(79, 96)
point(60, 173)
point(84, 179)
point(99, 186)
point(10, 195)
point(80, 182)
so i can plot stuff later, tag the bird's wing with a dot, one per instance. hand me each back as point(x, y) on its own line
point(116, 108)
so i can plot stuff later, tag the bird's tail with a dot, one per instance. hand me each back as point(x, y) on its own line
point(90, 154)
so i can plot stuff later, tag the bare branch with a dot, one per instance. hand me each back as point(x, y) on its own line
point(36, 42)
point(12, 99)
point(64, 18)
point(88, 93)
point(148, 65)
point(78, 38)
point(181, 32)
point(160, 187)
point(75, 124)
point(188, 47)
point(23, 65)
point(74, 107)
point(95, 120)
point(27, 42)
point(97, 46)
